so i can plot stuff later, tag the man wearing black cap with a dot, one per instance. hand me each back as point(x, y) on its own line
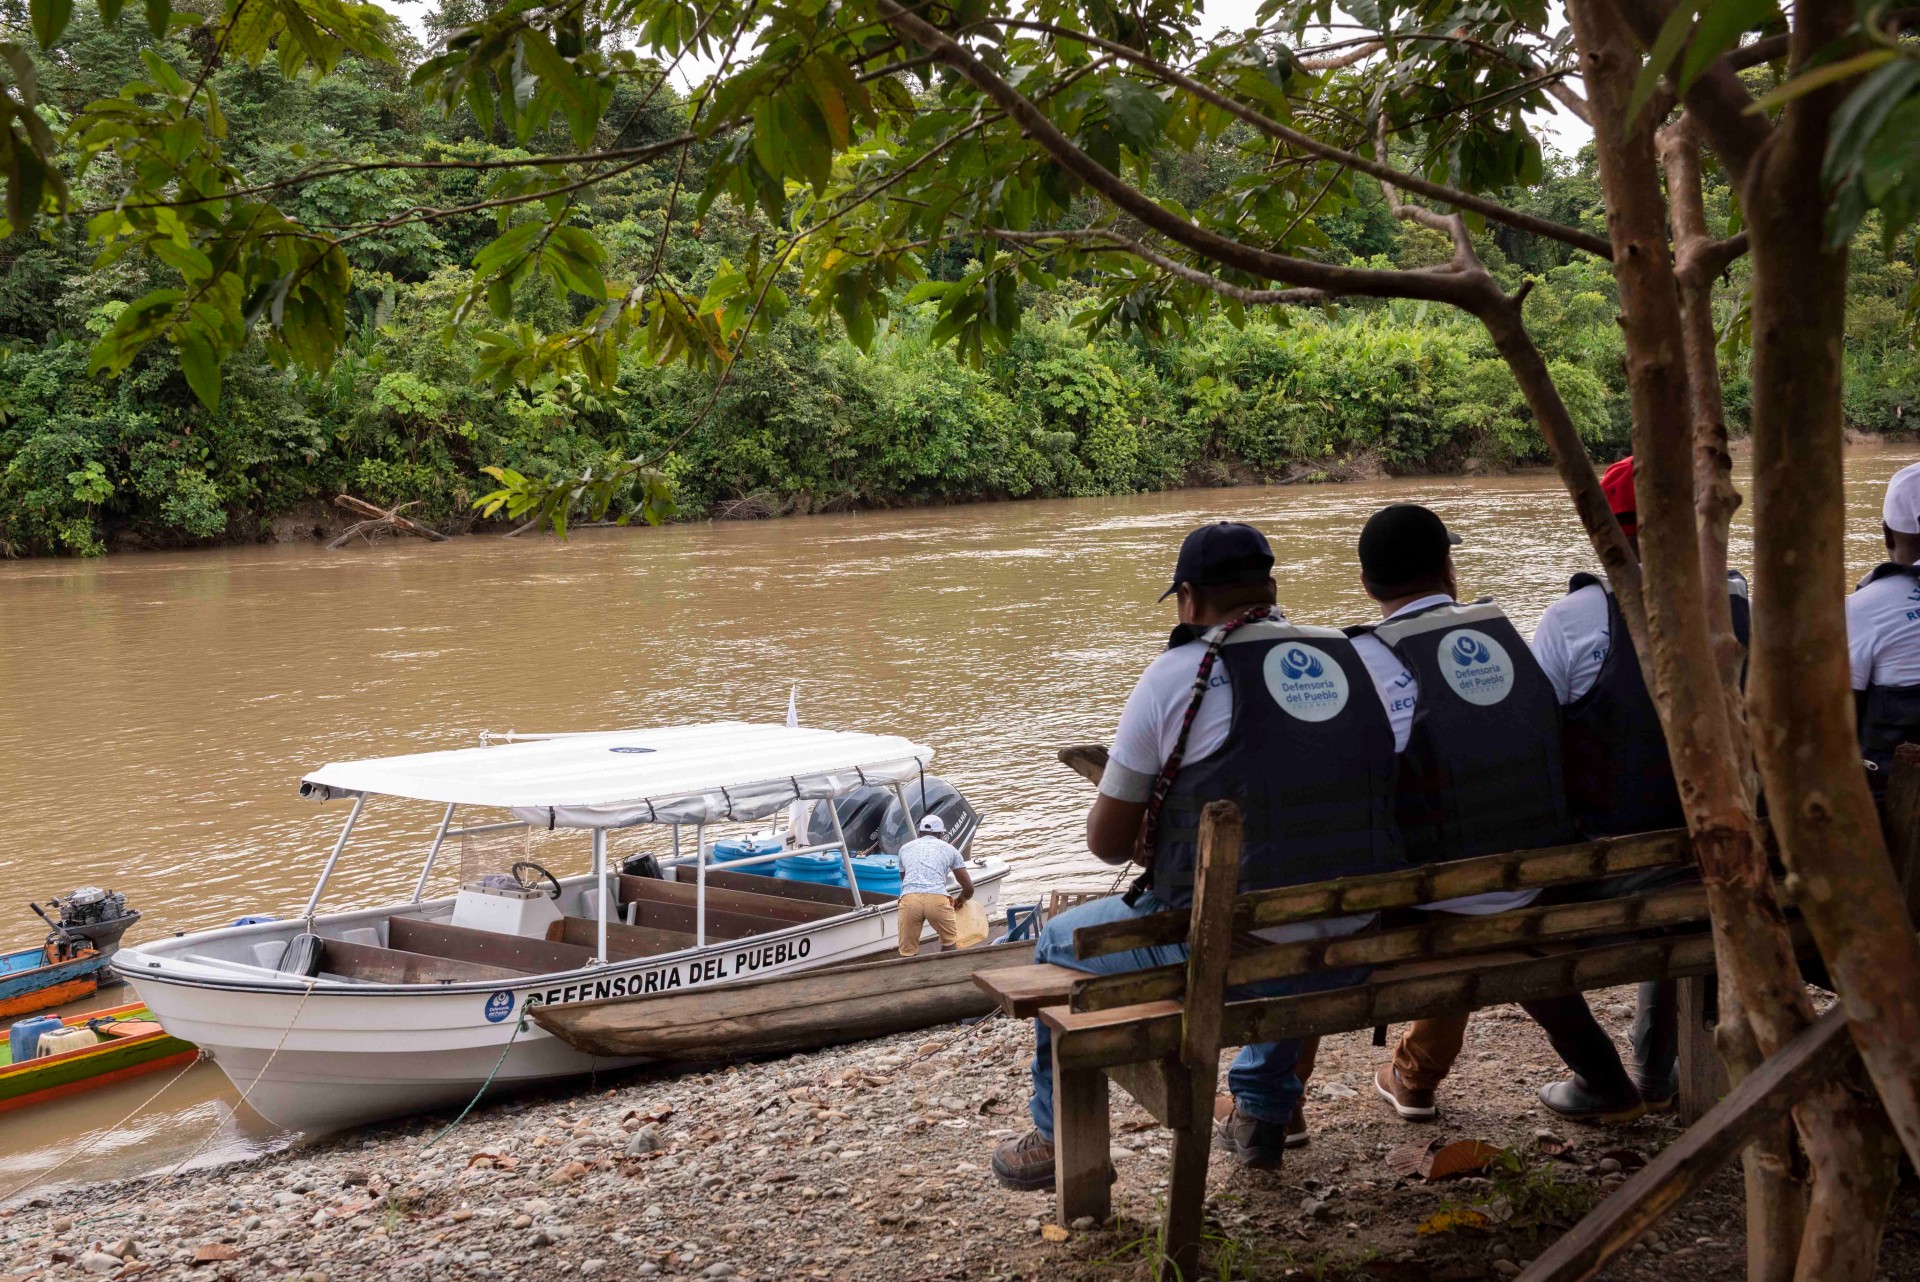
point(1285, 720)
point(1476, 724)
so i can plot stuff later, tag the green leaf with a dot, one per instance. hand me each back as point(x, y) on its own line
point(202, 368)
point(1136, 114)
point(1666, 47)
point(50, 18)
point(159, 14)
point(1722, 24)
point(1820, 77)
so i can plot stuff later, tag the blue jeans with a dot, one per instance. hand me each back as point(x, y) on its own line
point(1262, 1079)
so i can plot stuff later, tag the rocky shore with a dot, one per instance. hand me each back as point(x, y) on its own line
point(870, 1161)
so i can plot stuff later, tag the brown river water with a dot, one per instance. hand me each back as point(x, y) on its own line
point(158, 710)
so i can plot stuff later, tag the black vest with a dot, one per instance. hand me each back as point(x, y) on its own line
point(1481, 771)
point(1619, 776)
point(1889, 715)
point(1308, 758)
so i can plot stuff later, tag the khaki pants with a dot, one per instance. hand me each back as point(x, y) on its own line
point(917, 911)
point(1426, 1051)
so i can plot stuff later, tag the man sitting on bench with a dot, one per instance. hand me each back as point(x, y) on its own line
point(1285, 721)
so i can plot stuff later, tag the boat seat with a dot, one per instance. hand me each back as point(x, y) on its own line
point(590, 909)
point(372, 964)
point(731, 914)
point(488, 948)
point(623, 942)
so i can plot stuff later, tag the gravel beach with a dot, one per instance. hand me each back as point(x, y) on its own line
point(870, 1161)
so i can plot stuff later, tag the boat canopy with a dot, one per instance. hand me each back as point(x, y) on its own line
point(672, 775)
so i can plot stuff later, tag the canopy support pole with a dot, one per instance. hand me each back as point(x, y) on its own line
point(846, 855)
point(676, 842)
point(700, 885)
point(353, 817)
point(600, 890)
point(439, 838)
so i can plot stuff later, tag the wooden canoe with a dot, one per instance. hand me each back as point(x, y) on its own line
point(131, 1043)
point(814, 1008)
point(35, 979)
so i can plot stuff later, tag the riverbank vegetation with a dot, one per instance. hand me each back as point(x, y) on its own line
point(412, 411)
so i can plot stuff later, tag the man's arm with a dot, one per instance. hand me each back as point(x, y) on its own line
point(966, 887)
point(1113, 828)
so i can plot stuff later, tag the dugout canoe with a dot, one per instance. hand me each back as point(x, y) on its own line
point(130, 1044)
point(781, 1013)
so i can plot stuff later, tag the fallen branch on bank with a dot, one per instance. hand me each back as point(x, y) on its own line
point(378, 521)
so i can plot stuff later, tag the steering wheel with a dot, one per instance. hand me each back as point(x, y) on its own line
point(539, 872)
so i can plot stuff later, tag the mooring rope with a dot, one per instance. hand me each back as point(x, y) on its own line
point(39, 1177)
point(533, 999)
point(244, 1095)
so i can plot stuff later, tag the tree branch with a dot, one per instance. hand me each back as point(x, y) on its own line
point(1718, 100)
point(1193, 275)
point(1378, 168)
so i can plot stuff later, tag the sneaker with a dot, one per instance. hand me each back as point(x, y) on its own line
point(1025, 1163)
point(1297, 1128)
point(1260, 1146)
point(1412, 1105)
point(1574, 1100)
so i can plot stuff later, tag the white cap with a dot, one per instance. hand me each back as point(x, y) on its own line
point(933, 824)
point(1901, 511)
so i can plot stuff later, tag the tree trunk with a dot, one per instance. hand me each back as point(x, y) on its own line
point(1804, 734)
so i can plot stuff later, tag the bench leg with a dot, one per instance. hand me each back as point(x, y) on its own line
point(1187, 1189)
point(1703, 1077)
point(1081, 1143)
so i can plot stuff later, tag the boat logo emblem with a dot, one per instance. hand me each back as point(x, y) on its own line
point(499, 1006)
point(625, 748)
point(1476, 666)
point(1305, 681)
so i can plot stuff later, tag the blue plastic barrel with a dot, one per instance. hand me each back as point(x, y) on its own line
point(23, 1036)
point(725, 852)
point(822, 869)
point(878, 873)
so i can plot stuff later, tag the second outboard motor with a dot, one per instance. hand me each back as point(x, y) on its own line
point(861, 812)
point(937, 797)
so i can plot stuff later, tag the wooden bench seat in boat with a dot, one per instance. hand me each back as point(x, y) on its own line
point(488, 948)
point(811, 892)
point(623, 942)
point(375, 965)
point(740, 903)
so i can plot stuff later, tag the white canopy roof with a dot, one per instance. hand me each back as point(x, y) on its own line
point(677, 774)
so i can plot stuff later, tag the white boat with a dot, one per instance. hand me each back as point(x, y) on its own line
point(338, 1019)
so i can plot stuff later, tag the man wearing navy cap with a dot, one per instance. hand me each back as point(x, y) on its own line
point(1284, 719)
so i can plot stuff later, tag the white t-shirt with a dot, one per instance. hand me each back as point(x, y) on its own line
point(1571, 641)
point(924, 865)
point(1883, 633)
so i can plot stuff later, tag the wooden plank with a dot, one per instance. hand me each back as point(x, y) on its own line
point(392, 966)
point(1652, 1193)
point(1210, 943)
point(1088, 760)
point(1160, 1087)
point(814, 1008)
point(512, 952)
point(1082, 1143)
point(623, 941)
point(809, 891)
point(1517, 869)
point(1900, 812)
point(744, 903)
point(1130, 1034)
point(1023, 991)
point(1703, 1075)
point(1442, 935)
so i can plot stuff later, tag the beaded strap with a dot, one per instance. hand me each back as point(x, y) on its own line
point(1163, 782)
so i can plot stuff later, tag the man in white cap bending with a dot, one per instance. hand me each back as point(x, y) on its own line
point(924, 864)
point(1883, 633)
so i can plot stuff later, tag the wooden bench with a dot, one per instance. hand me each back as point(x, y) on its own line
point(812, 892)
point(1159, 1032)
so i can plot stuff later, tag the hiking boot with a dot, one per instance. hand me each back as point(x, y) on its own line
point(1412, 1105)
point(1260, 1146)
point(1025, 1163)
point(1297, 1128)
point(1576, 1101)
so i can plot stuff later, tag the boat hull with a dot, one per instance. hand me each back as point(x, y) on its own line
point(337, 1055)
point(29, 983)
point(36, 1081)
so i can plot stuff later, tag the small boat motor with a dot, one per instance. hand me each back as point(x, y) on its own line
point(100, 917)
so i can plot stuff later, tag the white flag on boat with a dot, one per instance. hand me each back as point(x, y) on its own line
point(799, 811)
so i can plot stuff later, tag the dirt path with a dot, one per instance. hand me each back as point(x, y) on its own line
point(871, 1162)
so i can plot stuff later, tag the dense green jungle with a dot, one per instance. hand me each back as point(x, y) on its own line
point(806, 421)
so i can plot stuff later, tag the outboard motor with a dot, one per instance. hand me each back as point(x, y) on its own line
point(98, 916)
point(934, 797)
point(642, 866)
point(861, 812)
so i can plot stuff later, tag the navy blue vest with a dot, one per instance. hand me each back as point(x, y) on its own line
point(1308, 758)
point(1889, 715)
point(1481, 771)
point(1619, 777)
